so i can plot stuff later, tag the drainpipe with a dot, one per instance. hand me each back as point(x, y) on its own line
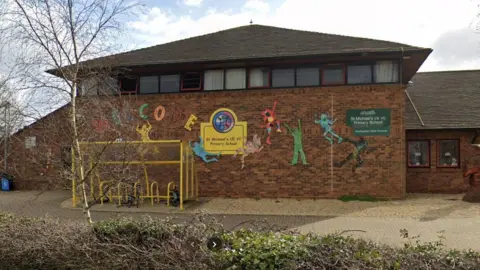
point(414, 107)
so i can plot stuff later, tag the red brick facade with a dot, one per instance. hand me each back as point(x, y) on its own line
point(268, 173)
point(438, 179)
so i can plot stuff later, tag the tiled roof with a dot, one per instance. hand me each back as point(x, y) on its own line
point(249, 42)
point(446, 99)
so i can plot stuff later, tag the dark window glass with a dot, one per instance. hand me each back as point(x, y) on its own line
point(192, 81)
point(283, 77)
point(359, 74)
point(333, 75)
point(149, 85)
point(169, 83)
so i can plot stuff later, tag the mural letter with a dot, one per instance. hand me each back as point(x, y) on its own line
point(190, 122)
point(162, 114)
point(140, 111)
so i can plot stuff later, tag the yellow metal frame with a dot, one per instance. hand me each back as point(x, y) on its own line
point(188, 182)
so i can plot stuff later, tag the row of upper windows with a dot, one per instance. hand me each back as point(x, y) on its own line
point(254, 78)
point(448, 153)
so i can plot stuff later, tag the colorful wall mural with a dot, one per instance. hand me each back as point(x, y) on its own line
point(190, 122)
point(326, 123)
point(360, 147)
point(251, 147)
point(297, 143)
point(270, 120)
point(199, 150)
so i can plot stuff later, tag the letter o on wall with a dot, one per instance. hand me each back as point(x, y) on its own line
point(140, 111)
point(160, 109)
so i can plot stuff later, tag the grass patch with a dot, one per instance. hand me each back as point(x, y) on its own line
point(361, 198)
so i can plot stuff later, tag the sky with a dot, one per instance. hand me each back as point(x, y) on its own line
point(449, 27)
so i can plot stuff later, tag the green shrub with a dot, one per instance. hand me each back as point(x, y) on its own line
point(149, 243)
point(362, 198)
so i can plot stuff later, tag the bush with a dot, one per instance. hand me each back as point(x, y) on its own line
point(149, 243)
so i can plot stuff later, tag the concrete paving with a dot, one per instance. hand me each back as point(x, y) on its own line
point(461, 230)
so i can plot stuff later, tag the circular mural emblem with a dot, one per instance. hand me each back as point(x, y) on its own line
point(223, 122)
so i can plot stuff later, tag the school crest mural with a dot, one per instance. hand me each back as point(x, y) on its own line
point(223, 133)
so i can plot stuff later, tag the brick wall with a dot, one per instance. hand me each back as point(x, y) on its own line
point(269, 173)
point(442, 180)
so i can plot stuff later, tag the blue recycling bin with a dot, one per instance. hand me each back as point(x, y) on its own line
point(6, 184)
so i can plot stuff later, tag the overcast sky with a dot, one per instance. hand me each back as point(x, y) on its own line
point(447, 26)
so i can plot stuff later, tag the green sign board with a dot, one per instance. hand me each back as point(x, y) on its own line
point(369, 122)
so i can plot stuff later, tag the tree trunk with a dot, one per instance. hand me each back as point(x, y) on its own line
point(78, 151)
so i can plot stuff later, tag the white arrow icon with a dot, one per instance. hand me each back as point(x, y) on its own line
point(214, 244)
point(192, 244)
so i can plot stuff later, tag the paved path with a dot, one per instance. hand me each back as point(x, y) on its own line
point(459, 233)
point(462, 233)
point(39, 204)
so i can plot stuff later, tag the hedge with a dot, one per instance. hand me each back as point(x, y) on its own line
point(149, 243)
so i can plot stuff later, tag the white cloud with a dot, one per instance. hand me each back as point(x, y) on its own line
point(418, 23)
point(256, 6)
point(193, 2)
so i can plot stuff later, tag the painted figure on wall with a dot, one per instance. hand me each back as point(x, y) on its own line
point(253, 146)
point(270, 119)
point(327, 125)
point(361, 147)
point(297, 143)
point(200, 151)
point(144, 131)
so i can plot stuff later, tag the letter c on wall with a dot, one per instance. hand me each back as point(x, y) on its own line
point(140, 111)
point(162, 114)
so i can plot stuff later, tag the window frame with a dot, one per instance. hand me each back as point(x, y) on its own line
point(457, 141)
point(158, 84)
point(225, 71)
point(318, 67)
point(329, 66)
point(409, 165)
point(395, 61)
point(137, 82)
point(182, 77)
point(169, 74)
point(283, 67)
point(372, 70)
point(223, 78)
point(269, 80)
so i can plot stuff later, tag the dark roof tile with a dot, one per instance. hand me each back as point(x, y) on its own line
point(252, 41)
point(446, 99)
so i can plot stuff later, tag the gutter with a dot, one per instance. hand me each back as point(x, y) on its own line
point(414, 107)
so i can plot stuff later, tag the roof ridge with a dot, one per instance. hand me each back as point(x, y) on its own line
point(259, 25)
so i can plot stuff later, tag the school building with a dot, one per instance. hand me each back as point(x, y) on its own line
point(323, 115)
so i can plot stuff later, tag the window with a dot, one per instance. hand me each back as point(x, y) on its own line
point(192, 81)
point(30, 142)
point(386, 72)
point(213, 80)
point(448, 153)
point(149, 85)
point(128, 85)
point(169, 83)
point(332, 75)
point(418, 154)
point(258, 78)
point(283, 77)
point(308, 76)
point(359, 74)
point(235, 78)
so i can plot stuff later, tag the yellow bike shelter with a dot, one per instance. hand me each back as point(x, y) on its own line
point(108, 168)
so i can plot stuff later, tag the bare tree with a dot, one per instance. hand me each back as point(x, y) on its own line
point(60, 35)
